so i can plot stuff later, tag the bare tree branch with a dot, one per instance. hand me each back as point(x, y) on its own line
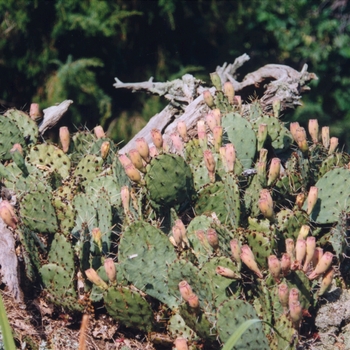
point(279, 82)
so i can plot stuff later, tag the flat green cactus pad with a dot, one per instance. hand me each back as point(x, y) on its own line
point(240, 133)
point(129, 308)
point(333, 196)
point(169, 180)
point(146, 252)
point(231, 314)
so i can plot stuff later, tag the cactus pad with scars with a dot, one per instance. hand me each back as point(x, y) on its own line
point(10, 134)
point(223, 199)
point(107, 183)
point(25, 124)
point(277, 135)
point(233, 313)
point(332, 196)
point(287, 336)
point(49, 158)
point(262, 238)
point(88, 167)
point(58, 274)
point(37, 212)
point(178, 328)
point(222, 287)
point(169, 180)
point(128, 307)
point(238, 131)
point(146, 252)
point(182, 270)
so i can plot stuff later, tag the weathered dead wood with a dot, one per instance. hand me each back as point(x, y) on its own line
point(278, 82)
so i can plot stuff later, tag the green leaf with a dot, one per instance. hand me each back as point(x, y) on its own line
point(9, 343)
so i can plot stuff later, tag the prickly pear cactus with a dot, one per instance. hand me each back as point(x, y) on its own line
point(242, 220)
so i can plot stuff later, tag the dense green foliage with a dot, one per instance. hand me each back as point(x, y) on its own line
point(54, 50)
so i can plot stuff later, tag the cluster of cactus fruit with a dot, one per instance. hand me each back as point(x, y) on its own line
point(244, 221)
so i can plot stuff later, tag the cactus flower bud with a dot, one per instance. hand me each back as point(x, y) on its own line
point(230, 157)
point(238, 102)
point(125, 195)
point(222, 152)
point(182, 130)
point(93, 277)
point(177, 142)
point(274, 267)
point(213, 238)
point(299, 201)
point(166, 146)
point(293, 295)
point(153, 151)
point(202, 238)
point(317, 256)
point(262, 135)
point(185, 290)
point(193, 301)
point(217, 115)
point(313, 130)
point(263, 155)
point(110, 269)
point(17, 147)
point(295, 313)
point(274, 171)
point(261, 172)
point(181, 344)
point(325, 136)
point(215, 79)
point(226, 272)
point(235, 250)
point(142, 147)
point(34, 111)
point(283, 295)
point(334, 142)
point(266, 205)
point(133, 173)
point(176, 230)
point(229, 92)
point(217, 135)
point(310, 251)
point(124, 160)
point(7, 214)
point(311, 199)
point(105, 149)
point(182, 227)
point(323, 265)
point(300, 251)
point(276, 106)
point(293, 129)
point(210, 164)
point(248, 258)
point(98, 131)
point(290, 247)
point(301, 139)
point(286, 264)
point(211, 121)
point(136, 159)
point(326, 281)
point(202, 134)
point(157, 138)
point(97, 238)
point(304, 231)
point(208, 98)
point(64, 138)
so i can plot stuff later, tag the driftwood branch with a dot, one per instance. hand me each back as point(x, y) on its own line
point(277, 82)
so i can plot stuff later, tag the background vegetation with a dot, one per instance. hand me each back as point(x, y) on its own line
point(59, 49)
